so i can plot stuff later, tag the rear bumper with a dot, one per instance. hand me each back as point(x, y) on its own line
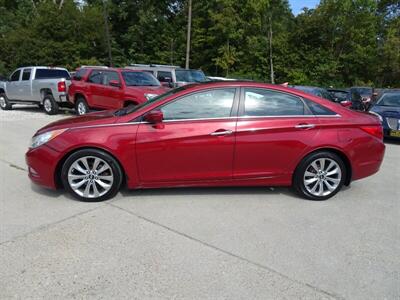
point(367, 167)
point(42, 164)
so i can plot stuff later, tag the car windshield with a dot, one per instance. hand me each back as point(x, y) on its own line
point(133, 108)
point(139, 79)
point(389, 100)
point(190, 76)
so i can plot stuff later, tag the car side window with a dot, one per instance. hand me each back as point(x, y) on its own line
point(215, 103)
point(26, 74)
point(15, 75)
point(318, 109)
point(162, 75)
point(108, 76)
point(263, 102)
point(96, 77)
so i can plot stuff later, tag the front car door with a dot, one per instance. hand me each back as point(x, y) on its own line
point(112, 95)
point(273, 130)
point(195, 142)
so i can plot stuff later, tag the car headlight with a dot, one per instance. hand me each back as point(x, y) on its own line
point(149, 96)
point(378, 115)
point(43, 138)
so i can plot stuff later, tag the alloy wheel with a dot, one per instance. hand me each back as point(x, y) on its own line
point(81, 108)
point(2, 101)
point(47, 105)
point(322, 177)
point(90, 177)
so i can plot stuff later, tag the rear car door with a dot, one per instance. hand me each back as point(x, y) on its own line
point(195, 142)
point(274, 129)
point(95, 88)
point(13, 85)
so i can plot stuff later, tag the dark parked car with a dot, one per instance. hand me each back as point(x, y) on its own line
point(321, 92)
point(362, 97)
point(339, 95)
point(214, 134)
point(387, 108)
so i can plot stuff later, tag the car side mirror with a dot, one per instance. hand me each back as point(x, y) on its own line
point(114, 83)
point(154, 117)
point(345, 103)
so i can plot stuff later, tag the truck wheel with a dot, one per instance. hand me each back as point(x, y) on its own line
point(4, 104)
point(81, 106)
point(50, 105)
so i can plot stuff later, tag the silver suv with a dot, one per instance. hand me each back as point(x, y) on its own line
point(171, 76)
point(44, 86)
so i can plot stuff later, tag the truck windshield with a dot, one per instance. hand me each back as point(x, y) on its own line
point(52, 73)
point(190, 76)
point(139, 79)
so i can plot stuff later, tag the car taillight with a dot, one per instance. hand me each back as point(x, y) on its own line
point(376, 131)
point(62, 87)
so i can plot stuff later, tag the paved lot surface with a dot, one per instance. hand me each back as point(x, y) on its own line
point(227, 243)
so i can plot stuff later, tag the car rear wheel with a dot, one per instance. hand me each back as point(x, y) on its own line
point(319, 176)
point(4, 103)
point(91, 175)
point(81, 106)
point(50, 106)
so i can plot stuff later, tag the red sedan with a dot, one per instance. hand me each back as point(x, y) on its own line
point(212, 134)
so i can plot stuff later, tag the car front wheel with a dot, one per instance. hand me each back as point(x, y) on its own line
point(91, 175)
point(4, 103)
point(319, 176)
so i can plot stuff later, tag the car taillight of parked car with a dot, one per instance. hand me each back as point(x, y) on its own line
point(62, 87)
point(376, 131)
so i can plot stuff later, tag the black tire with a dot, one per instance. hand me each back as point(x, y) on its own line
point(50, 106)
point(299, 184)
point(92, 153)
point(81, 106)
point(4, 103)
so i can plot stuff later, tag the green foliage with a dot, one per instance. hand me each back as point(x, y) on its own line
point(339, 43)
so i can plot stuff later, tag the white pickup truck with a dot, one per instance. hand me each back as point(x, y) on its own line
point(44, 86)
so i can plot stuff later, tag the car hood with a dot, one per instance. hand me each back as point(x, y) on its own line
point(96, 118)
point(387, 111)
point(148, 89)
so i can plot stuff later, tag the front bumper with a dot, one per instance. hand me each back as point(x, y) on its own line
point(42, 164)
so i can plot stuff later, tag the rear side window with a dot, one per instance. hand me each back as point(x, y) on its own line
point(26, 74)
point(51, 73)
point(15, 75)
point(318, 109)
point(262, 102)
point(96, 77)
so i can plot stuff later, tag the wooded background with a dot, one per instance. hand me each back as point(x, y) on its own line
point(339, 43)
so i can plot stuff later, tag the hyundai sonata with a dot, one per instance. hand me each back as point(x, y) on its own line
point(212, 134)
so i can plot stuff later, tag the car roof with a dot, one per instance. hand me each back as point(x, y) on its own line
point(111, 69)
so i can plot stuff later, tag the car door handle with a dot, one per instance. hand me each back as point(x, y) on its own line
point(221, 132)
point(304, 126)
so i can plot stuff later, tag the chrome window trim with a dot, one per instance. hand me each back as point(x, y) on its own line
point(208, 119)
